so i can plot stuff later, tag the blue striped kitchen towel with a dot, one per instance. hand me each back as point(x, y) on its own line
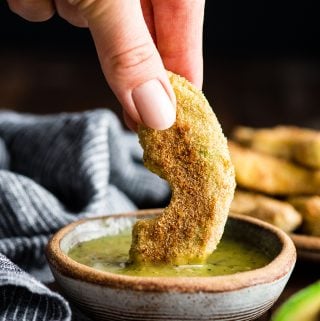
point(53, 170)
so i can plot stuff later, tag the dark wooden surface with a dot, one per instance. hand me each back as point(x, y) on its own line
point(257, 92)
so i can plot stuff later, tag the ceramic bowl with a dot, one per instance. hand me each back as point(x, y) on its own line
point(108, 296)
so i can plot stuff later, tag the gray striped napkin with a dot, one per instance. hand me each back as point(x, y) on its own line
point(54, 170)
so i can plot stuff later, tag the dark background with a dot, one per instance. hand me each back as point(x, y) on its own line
point(262, 64)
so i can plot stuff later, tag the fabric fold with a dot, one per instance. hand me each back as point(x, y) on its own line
point(53, 170)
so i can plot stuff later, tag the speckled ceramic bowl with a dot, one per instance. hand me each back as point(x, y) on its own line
point(107, 296)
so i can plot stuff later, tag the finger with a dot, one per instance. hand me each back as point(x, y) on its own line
point(179, 25)
point(70, 13)
point(32, 10)
point(147, 11)
point(129, 122)
point(130, 61)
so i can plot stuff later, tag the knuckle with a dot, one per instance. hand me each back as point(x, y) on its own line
point(85, 6)
point(12, 5)
point(70, 14)
point(17, 6)
point(32, 10)
point(81, 3)
point(92, 9)
point(137, 56)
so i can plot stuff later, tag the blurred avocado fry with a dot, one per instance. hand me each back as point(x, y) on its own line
point(193, 157)
point(279, 171)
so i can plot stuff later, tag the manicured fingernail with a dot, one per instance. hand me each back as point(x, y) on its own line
point(154, 105)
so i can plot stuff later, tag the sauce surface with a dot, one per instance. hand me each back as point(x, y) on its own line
point(111, 254)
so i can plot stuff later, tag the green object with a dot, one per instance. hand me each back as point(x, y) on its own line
point(110, 254)
point(302, 306)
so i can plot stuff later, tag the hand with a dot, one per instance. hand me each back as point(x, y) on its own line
point(136, 41)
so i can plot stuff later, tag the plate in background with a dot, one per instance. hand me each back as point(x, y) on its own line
point(308, 247)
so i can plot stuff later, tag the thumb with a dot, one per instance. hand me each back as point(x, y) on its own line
point(130, 60)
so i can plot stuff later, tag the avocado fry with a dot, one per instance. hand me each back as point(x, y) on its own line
point(193, 157)
point(271, 175)
point(309, 207)
point(301, 145)
point(279, 213)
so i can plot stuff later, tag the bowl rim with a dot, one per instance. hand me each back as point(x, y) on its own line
point(277, 269)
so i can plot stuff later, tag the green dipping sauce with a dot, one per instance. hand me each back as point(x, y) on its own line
point(110, 253)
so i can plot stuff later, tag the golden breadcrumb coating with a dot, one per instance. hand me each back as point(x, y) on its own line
point(276, 212)
point(193, 157)
point(299, 144)
point(309, 207)
point(271, 175)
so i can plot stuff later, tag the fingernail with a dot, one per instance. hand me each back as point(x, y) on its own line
point(154, 105)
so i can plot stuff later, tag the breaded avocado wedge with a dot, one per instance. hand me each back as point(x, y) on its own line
point(193, 157)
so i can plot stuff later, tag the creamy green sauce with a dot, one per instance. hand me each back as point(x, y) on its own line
point(110, 253)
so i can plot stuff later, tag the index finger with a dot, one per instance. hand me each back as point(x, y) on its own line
point(179, 27)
